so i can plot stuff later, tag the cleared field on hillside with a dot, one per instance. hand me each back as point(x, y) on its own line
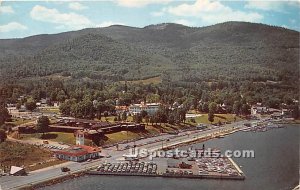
point(154, 80)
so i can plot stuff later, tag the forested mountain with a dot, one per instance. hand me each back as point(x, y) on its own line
point(231, 51)
point(234, 63)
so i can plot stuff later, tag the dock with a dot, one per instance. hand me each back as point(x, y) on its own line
point(202, 168)
point(169, 176)
point(236, 166)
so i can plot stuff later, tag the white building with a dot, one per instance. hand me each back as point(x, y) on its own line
point(258, 110)
point(150, 108)
point(79, 138)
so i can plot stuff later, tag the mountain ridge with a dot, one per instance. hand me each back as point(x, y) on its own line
point(254, 51)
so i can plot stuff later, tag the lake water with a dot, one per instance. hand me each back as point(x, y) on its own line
point(275, 167)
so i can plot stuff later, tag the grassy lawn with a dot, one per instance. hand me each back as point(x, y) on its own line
point(67, 138)
point(150, 129)
point(49, 110)
point(19, 121)
point(193, 111)
point(217, 118)
point(29, 156)
point(121, 136)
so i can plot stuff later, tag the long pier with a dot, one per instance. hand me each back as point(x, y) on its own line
point(240, 177)
point(236, 167)
point(297, 187)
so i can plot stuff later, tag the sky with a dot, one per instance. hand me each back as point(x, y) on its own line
point(20, 19)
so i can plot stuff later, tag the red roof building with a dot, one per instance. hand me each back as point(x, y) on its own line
point(78, 153)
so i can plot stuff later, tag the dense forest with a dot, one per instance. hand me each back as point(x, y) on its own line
point(233, 63)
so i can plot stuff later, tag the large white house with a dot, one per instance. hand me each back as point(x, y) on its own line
point(150, 108)
point(258, 110)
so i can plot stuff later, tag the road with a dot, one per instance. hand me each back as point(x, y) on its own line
point(15, 182)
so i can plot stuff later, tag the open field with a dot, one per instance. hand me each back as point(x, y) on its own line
point(154, 80)
point(29, 156)
point(19, 121)
point(66, 138)
point(217, 118)
point(49, 110)
point(121, 136)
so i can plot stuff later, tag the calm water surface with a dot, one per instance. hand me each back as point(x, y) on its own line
point(275, 167)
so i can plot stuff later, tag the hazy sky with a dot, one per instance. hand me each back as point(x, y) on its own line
point(26, 18)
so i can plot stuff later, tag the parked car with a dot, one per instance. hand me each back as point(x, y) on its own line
point(65, 169)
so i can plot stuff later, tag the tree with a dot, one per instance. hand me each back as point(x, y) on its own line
point(212, 107)
point(4, 115)
point(236, 107)
point(144, 113)
point(83, 109)
point(31, 105)
point(152, 119)
point(162, 115)
point(245, 109)
point(295, 111)
point(171, 118)
point(152, 98)
point(43, 124)
point(211, 117)
point(181, 114)
point(61, 96)
point(147, 119)
point(137, 118)
point(18, 106)
point(205, 107)
point(2, 135)
point(119, 117)
point(100, 107)
point(37, 94)
point(124, 116)
point(65, 108)
point(105, 114)
point(116, 119)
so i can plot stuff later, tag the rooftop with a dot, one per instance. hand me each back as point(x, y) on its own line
point(79, 150)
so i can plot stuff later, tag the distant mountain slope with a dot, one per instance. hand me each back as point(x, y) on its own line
point(231, 33)
point(231, 50)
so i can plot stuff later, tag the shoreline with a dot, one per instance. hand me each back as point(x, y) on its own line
point(51, 182)
point(86, 172)
point(241, 177)
point(74, 175)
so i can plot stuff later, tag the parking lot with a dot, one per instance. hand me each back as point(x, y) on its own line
point(216, 166)
point(52, 147)
point(144, 168)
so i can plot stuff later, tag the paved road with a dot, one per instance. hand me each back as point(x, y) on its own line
point(15, 182)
